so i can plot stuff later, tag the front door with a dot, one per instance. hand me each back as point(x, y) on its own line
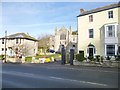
point(90, 51)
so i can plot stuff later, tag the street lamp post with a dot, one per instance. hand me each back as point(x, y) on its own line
point(5, 45)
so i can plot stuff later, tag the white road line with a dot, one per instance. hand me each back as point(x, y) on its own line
point(50, 77)
point(85, 82)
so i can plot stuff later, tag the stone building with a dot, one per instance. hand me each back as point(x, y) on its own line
point(65, 37)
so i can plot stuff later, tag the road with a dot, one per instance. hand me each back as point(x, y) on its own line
point(55, 75)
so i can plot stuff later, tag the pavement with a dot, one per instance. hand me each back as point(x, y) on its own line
point(55, 75)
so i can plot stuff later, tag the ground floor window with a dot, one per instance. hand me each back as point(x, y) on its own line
point(110, 50)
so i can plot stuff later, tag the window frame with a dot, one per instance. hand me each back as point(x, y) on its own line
point(115, 28)
point(17, 41)
point(91, 33)
point(63, 37)
point(111, 31)
point(110, 51)
point(90, 18)
point(110, 14)
point(3, 40)
point(2, 49)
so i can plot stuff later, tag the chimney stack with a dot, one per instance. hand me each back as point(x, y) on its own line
point(81, 10)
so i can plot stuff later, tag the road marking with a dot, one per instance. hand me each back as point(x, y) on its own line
point(85, 82)
point(49, 77)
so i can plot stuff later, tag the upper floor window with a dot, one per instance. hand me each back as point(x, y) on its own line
point(2, 41)
point(91, 18)
point(73, 39)
point(20, 41)
point(110, 14)
point(111, 31)
point(2, 49)
point(91, 33)
point(16, 40)
point(62, 37)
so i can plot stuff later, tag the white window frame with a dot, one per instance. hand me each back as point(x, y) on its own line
point(106, 30)
point(116, 48)
point(112, 32)
point(90, 18)
point(110, 14)
point(92, 32)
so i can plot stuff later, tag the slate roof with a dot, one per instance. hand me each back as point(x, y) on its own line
point(100, 9)
point(22, 36)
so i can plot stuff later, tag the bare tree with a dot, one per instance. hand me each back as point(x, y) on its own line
point(21, 49)
point(43, 43)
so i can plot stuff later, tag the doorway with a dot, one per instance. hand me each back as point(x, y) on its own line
point(91, 51)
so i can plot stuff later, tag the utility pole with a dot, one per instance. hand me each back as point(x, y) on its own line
point(68, 39)
point(5, 44)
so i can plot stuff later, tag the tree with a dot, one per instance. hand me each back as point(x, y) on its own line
point(43, 43)
point(21, 49)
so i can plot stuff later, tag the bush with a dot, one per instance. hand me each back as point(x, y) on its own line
point(91, 58)
point(108, 58)
point(28, 59)
point(1, 57)
point(80, 57)
point(97, 58)
point(37, 54)
point(101, 58)
point(117, 57)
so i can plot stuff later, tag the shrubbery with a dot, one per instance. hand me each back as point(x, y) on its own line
point(117, 57)
point(1, 57)
point(28, 59)
point(97, 58)
point(108, 58)
point(91, 58)
point(80, 57)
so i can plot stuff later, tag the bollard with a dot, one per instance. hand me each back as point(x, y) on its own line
point(71, 56)
point(63, 57)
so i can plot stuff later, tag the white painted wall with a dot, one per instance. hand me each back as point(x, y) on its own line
point(99, 20)
point(31, 46)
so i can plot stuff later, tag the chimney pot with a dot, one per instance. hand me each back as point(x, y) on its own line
point(81, 10)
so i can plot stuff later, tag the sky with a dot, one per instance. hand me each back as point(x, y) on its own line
point(40, 18)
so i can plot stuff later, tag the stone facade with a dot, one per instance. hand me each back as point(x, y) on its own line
point(65, 37)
